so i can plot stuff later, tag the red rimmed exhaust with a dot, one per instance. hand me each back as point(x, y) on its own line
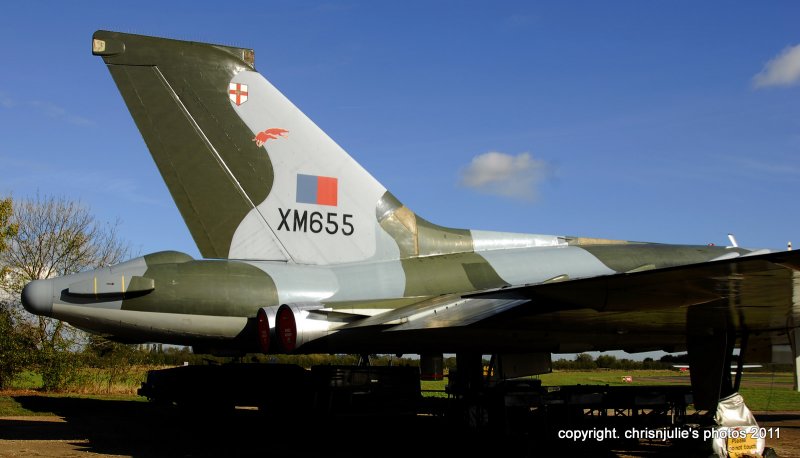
point(262, 324)
point(299, 323)
point(286, 328)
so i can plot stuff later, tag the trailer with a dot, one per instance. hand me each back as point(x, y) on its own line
point(287, 389)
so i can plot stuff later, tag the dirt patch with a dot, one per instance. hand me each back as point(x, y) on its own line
point(44, 436)
point(783, 432)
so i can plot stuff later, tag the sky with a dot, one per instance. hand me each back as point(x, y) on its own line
point(673, 122)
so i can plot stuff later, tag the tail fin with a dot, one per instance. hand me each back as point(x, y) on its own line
point(252, 176)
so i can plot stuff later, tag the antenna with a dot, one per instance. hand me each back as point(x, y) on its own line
point(733, 241)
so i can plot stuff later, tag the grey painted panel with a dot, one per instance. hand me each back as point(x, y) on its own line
point(299, 283)
point(535, 265)
point(379, 280)
point(159, 327)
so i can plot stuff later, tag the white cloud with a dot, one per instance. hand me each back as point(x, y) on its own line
point(505, 175)
point(783, 70)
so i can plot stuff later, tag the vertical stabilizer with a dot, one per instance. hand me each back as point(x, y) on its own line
point(252, 176)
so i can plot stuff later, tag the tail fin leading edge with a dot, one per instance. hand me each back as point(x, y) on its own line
point(252, 176)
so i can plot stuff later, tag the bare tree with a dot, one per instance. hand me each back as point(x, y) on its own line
point(56, 237)
point(16, 344)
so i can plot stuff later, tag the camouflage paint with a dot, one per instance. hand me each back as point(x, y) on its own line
point(171, 100)
point(216, 288)
point(404, 284)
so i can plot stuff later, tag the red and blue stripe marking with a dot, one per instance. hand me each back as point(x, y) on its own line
point(313, 189)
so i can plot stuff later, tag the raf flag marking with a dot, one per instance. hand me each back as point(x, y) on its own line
point(312, 189)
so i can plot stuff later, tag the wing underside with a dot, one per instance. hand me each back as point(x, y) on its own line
point(638, 311)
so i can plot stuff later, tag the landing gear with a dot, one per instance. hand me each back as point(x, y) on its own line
point(467, 385)
point(716, 374)
point(710, 357)
point(794, 341)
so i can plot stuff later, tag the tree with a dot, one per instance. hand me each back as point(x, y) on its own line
point(8, 229)
point(117, 359)
point(56, 237)
point(606, 361)
point(585, 361)
point(16, 345)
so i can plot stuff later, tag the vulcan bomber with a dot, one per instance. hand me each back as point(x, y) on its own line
point(305, 252)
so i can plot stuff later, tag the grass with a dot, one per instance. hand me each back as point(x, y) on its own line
point(88, 383)
point(91, 380)
point(613, 377)
point(119, 381)
point(763, 391)
point(771, 400)
point(594, 377)
point(433, 388)
point(10, 405)
point(26, 381)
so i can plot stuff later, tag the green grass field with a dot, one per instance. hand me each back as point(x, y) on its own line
point(91, 381)
point(10, 406)
point(761, 390)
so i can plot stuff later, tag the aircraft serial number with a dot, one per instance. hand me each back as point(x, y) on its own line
point(296, 221)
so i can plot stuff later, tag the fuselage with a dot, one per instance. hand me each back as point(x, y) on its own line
point(169, 297)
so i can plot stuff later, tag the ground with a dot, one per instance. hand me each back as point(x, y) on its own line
point(123, 427)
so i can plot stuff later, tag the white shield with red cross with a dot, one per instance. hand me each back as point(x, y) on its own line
point(237, 93)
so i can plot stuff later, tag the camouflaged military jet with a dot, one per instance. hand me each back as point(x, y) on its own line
point(304, 251)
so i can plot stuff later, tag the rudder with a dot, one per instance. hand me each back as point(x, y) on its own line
point(186, 132)
point(252, 176)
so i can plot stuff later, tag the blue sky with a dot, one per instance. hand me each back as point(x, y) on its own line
point(631, 120)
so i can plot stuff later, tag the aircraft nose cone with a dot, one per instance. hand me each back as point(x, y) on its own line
point(37, 297)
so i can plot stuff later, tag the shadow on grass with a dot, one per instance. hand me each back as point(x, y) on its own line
point(75, 405)
point(140, 429)
point(105, 426)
